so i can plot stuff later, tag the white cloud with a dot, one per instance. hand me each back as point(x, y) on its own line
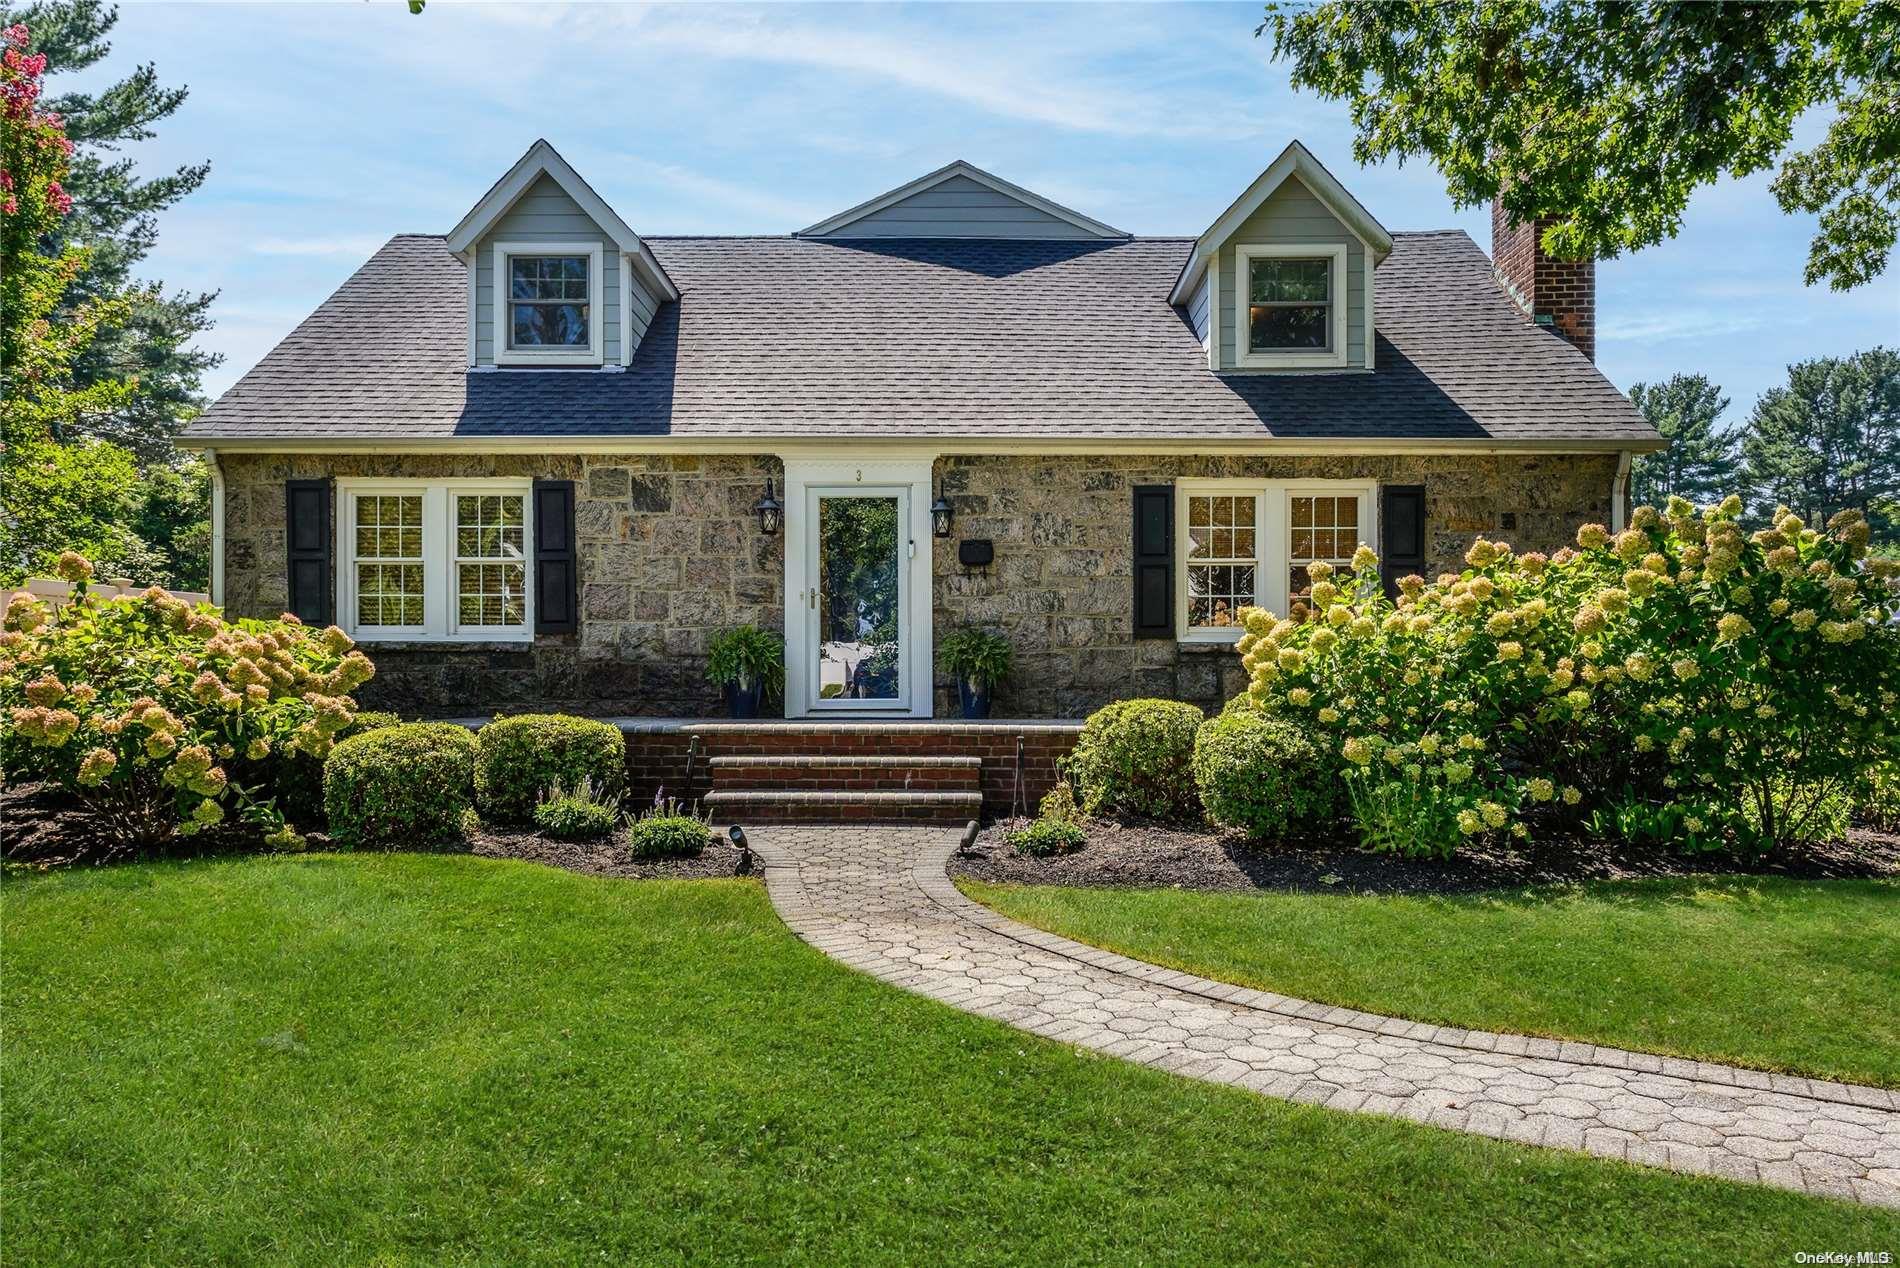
point(1679, 324)
point(785, 213)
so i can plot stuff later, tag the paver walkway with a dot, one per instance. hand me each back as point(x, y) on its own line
point(879, 900)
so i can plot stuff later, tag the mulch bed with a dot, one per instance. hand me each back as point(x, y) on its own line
point(44, 828)
point(606, 857)
point(1158, 856)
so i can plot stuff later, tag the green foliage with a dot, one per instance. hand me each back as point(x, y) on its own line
point(295, 776)
point(1135, 757)
point(667, 832)
point(1878, 801)
point(1603, 119)
point(1830, 440)
point(576, 814)
point(975, 655)
point(40, 341)
point(399, 786)
point(151, 710)
point(69, 497)
point(522, 757)
point(1059, 804)
point(1264, 776)
point(145, 353)
point(171, 515)
point(1700, 463)
point(747, 654)
point(1682, 677)
point(1044, 837)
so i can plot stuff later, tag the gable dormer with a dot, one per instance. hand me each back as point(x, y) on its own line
point(1283, 279)
point(961, 200)
point(556, 279)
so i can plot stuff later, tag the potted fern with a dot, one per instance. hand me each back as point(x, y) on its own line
point(978, 660)
point(748, 663)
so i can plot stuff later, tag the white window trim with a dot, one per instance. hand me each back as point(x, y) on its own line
point(596, 306)
point(438, 561)
point(1273, 540)
point(1331, 358)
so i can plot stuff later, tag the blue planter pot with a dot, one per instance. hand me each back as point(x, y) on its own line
point(974, 697)
point(743, 701)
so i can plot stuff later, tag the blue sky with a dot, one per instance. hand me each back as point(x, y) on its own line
point(332, 126)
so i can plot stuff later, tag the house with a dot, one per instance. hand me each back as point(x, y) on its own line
point(543, 459)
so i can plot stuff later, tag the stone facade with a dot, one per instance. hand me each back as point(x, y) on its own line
point(1061, 590)
point(670, 554)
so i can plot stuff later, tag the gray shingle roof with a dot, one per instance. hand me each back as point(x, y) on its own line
point(791, 337)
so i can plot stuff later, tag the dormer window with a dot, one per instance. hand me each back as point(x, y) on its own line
point(1290, 312)
point(548, 303)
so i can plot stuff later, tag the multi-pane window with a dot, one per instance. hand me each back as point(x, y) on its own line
point(1222, 557)
point(389, 564)
point(547, 301)
point(1289, 304)
point(435, 561)
point(490, 566)
point(1320, 527)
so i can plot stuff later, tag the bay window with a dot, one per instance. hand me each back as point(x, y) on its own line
point(425, 561)
point(1248, 544)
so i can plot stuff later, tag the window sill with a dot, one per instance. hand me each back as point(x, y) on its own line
point(1202, 644)
point(446, 644)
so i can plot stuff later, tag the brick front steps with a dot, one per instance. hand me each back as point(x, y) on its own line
point(977, 761)
point(833, 806)
point(849, 788)
point(919, 770)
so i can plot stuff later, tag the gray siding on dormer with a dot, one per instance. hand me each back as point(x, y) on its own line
point(960, 208)
point(1291, 214)
point(1197, 308)
point(546, 214)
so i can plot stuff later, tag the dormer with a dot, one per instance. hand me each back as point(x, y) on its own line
point(1283, 279)
point(556, 279)
point(962, 200)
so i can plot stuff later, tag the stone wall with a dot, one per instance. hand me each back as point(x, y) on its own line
point(670, 554)
point(1061, 587)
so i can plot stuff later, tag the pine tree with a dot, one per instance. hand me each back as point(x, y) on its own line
point(1700, 463)
point(1830, 440)
point(115, 221)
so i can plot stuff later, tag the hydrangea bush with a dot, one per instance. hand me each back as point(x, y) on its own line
point(164, 716)
point(1683, 680)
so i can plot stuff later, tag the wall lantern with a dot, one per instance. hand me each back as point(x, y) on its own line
point(771, 514)
point(940, 515)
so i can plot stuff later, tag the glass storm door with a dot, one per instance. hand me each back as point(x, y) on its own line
point(857, 600)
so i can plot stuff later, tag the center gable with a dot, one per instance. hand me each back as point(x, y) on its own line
point(962, 201)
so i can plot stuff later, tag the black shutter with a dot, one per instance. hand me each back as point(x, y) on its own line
point(1402, 525)
point(556, 563)
point(307, 541)
point(1154, 561)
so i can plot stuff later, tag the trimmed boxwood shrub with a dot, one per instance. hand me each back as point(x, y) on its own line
point(297, 778)
point(520, 758)
point(401, 785)
point(1135, 757)
point(667, 836)
point(1263, 775)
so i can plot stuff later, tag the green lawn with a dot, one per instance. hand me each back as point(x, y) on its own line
point(429, 1059)
point(1779, 974)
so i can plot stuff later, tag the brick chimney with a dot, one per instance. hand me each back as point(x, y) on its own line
point(1558, 294)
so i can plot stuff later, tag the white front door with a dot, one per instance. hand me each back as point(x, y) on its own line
point(857, 562)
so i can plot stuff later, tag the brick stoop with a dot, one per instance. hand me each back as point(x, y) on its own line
point(819, 787)
point(807, 805)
